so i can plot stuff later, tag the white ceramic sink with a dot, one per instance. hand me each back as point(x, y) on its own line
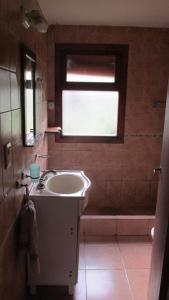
point(68, 183)
point(64, 186)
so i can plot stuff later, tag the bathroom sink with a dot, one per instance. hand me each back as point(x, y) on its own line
point(68, 183)
point(63, 186)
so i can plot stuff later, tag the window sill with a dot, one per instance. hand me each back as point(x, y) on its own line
point(52, 130)
point(59, 138)
point(88, 139)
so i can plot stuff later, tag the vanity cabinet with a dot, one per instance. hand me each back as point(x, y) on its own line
point(58, 227)
point(58, 207)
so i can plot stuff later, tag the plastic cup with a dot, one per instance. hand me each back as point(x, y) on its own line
point(34, 172)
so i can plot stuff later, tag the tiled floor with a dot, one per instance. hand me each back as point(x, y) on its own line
point(109, 269)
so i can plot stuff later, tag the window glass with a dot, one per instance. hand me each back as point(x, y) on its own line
point(89, 113)
point(90, 68)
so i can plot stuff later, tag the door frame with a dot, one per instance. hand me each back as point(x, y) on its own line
point(159, 274)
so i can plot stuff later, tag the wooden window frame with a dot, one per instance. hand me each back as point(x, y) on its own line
point(121, 55)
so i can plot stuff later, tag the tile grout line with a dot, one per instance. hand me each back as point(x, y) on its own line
point(85, 285)
point(124, 269)
point(104, 269)
point(85, 266)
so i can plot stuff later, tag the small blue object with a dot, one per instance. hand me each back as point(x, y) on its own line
point(34, 172)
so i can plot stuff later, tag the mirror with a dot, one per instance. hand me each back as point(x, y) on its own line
point(28, 66)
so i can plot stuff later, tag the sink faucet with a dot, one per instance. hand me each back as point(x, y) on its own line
point(42, 178)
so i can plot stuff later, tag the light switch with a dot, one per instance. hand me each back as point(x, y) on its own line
point(51, 105)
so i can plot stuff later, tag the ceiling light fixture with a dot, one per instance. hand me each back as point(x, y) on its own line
point(35, 19)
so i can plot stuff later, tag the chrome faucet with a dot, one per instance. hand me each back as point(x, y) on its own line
point(42, 178)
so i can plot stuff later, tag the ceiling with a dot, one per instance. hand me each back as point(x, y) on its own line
point(141, 13)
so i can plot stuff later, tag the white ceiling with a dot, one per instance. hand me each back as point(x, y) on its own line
point(142, 13)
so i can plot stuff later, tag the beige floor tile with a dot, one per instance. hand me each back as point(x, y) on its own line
point(82, 256)
point(80, 288)
point(135, 251)
point(138, 280)
point(107, 285)
point(104, 255)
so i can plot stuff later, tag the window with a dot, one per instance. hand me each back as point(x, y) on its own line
point(91, 92)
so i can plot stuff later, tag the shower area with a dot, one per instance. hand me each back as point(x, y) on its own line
point(124, 187)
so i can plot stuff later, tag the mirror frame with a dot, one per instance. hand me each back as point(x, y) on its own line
point(27, 54)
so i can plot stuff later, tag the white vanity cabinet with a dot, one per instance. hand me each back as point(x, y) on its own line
point(58, 227)
point(58, 220)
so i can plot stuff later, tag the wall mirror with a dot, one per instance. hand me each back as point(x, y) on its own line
point(28, 66)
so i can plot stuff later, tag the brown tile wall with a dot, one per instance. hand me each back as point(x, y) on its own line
point(12, 261)
point(122, 175)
